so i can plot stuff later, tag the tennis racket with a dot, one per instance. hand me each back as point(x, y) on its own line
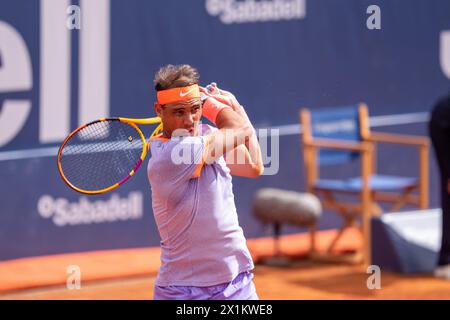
point(103, 154)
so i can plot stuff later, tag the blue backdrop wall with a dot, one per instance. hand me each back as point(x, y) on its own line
point(275, 55)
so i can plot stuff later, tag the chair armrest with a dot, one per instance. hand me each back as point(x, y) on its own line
point(339, 145)
point(422, 143)
point(399, 139)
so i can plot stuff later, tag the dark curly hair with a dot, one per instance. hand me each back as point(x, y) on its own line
point(174, 76)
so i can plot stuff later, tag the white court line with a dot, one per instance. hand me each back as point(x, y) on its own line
point(376, 121)
point(285, 130)
point(29, 153)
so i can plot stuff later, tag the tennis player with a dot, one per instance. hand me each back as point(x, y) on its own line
point(203, 249)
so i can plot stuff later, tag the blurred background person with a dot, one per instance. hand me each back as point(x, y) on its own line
point(439, 128)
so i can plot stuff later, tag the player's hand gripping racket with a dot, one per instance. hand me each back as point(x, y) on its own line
point(103, 154)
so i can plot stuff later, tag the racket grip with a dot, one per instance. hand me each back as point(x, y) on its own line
point(212, 89)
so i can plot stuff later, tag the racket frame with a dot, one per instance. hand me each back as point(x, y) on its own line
point(130, 121)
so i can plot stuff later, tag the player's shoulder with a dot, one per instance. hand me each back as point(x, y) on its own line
point(163, 147)
point(167, 149)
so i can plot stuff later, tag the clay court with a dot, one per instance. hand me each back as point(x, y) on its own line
point(130, 275)
point(307, 121)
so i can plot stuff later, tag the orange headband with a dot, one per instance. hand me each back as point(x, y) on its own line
point(178, 94)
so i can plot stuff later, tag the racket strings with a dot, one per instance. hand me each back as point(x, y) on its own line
point(101, 155)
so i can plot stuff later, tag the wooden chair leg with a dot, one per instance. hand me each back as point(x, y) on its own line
point(348, 222)
point(312, 237)
point(402, 199)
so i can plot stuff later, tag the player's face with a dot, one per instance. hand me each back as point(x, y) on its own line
point(181, 118)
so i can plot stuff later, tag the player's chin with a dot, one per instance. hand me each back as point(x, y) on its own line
point(193, 131)
point(181, 132)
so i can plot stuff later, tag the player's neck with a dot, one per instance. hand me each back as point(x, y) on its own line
point(166, 134)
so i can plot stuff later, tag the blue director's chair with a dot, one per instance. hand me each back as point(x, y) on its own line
point(341, 135)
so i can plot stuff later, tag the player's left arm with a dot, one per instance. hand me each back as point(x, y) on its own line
point(240, 163)
point(245, 160)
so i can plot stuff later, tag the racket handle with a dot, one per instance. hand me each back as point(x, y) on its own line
point(212, 89)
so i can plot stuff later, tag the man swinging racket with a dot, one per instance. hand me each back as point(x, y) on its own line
point(203, 249)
